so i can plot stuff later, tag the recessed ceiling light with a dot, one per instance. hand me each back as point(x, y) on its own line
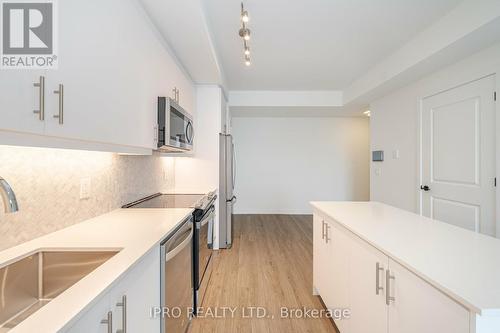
point(247, 50)
point(247, 61)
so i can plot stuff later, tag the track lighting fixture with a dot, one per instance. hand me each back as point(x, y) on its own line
point(244, 33)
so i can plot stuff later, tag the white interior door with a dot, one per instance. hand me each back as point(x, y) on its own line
point(458, 156)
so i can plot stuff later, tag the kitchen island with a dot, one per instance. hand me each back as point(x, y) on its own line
point(397, 271)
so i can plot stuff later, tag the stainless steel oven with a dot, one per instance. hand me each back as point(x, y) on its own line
point(175, 126)
point(176, 279)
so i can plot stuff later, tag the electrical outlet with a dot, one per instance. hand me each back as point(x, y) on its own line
point(395, 154)
point(85, 188)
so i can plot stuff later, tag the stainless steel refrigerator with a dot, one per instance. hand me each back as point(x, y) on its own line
point(227, 176)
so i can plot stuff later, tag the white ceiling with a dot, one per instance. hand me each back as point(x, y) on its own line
point(314, 44)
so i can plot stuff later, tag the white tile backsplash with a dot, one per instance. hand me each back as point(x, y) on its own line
point(47, 186)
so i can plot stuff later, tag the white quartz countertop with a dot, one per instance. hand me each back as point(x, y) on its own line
point(462, 264)
point(131, 231)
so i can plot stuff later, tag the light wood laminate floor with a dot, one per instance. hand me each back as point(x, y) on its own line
point(269, 266)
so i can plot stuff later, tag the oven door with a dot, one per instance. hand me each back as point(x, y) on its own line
point(179, 127)
point(206, 239)
point(203, 263)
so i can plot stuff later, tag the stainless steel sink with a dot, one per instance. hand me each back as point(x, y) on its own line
point(31, 282)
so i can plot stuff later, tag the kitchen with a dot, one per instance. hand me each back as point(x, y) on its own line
point(218, 166)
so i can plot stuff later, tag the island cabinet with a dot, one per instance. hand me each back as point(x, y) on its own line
point(381, 295)
point(129, 302)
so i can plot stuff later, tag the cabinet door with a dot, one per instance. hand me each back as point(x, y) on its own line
point(419, 307)
point(367, 266)
point(90, 321)
point(141, 287)
point(18, 99)
point(113, 68)
point(337, 266)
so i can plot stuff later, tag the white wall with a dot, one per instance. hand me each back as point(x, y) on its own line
point(395, 125)
point(283, 163)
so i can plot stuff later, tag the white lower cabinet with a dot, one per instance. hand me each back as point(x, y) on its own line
point(130, 301)
point(419, 307)
point(382, 295)
point(366, 287)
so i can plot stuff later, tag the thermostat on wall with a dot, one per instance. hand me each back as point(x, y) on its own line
point(377, 155)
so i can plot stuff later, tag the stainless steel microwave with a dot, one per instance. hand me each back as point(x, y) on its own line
point(175, 127)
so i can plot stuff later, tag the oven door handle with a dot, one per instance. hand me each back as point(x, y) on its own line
point(179, 247)
point(208, 217)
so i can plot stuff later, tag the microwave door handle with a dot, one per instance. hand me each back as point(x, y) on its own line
point(189, 132)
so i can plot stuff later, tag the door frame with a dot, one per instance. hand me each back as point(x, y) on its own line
point(496, 74)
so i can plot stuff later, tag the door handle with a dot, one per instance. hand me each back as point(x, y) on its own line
point(60, 115)
point(425, 188)
point(388, 278)
point(123, 305)
point(109, 322)
point(378, 288)
point(41, 98)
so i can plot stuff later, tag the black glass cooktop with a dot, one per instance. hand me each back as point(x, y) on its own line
point(166, 201)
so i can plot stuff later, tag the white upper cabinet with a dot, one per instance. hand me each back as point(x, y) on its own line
point(19, 98)
point(112, 65)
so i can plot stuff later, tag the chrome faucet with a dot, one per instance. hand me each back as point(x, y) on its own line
point(8, 196)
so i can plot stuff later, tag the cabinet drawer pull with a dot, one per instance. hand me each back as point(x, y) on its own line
point(41, 98)
point(60, 115)
point(108, 321)
point(378, 288)
point(327, 233)
point(388, 278)
point(123, 304)
point(322, 229)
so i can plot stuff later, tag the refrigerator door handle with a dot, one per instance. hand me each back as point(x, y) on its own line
point(234, 165)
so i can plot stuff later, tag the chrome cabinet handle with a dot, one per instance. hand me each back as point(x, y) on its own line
point(41, 98)
point(378, 288)
point(60, 115)
point(322, 229)
point(388, 278)
point(327, 233)
point(123, 304)
point(108, 321)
